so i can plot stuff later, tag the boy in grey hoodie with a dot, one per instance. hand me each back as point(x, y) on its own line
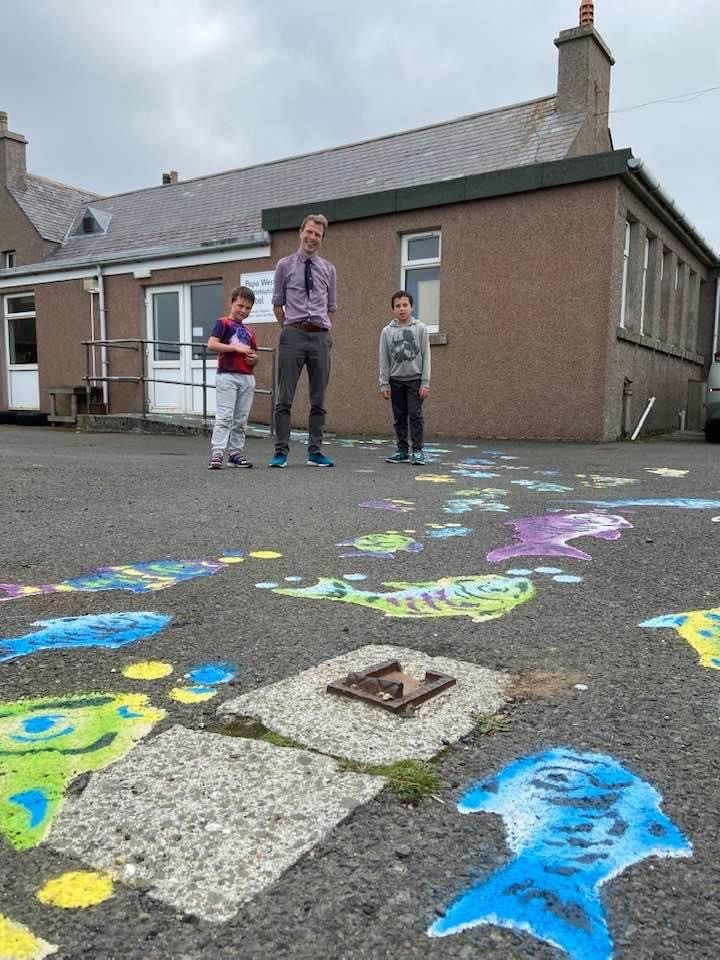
point(405, 375)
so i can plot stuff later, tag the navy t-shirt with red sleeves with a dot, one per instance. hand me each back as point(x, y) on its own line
point(228, 330)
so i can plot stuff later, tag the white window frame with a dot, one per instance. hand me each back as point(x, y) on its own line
point(9, 258)
point(626, 264)
point(407, 264)
point(643, 302)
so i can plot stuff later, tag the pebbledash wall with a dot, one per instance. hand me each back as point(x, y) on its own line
point(539, 336)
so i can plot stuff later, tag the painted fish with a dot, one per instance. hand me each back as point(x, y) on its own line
point(548, 535)
point(542, 486)
point(574, 821)
point(380, 546)
point(394, 506)
point(480, 598)
point(102, 630)
point(48, 742)
point(135, 577)
point(701, 629)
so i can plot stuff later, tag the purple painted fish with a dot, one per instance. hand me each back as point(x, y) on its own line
point(548, 535)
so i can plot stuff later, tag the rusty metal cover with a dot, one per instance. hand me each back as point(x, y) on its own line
point(385, 685)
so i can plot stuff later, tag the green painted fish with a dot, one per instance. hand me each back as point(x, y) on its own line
point(48, 742)
point(701, 629)
point(480, 598)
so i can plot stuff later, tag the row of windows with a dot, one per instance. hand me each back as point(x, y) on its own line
point(660, 293)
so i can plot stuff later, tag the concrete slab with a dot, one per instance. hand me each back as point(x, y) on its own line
point(206, 821)
point(300, 708)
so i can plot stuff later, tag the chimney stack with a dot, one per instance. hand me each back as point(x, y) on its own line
point(583, 86)
point(169, 178)
point(587, 13)
point(12, 156)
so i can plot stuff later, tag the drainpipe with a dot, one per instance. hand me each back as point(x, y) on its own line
point(103, 333)
point(626, 404)
point(717, 316)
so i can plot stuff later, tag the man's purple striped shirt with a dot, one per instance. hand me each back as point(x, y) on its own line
point(289, 290)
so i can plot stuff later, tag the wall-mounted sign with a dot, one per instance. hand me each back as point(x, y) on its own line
point(261, 285)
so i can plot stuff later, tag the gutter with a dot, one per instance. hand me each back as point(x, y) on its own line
point(639, 170)
point(259, 238)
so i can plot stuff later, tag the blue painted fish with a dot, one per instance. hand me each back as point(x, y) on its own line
point(548, 535)
point(96, 630)
point(135, 577)
point(684, 503)
point(701, 629)
point(574, 821)
point(480, 598)
point(380, 546)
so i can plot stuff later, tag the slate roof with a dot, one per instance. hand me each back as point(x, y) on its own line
point(51, 206)
point(229, 205)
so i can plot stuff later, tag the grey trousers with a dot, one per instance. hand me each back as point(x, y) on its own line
point(297, 349)
point(234, 394)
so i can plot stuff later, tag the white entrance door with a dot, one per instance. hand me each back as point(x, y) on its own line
point(179, 321)
point(21, 352)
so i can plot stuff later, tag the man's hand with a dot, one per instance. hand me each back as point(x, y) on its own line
point(385, 394)
point(424, 393)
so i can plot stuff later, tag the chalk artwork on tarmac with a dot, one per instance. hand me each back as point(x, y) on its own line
point(76, 890)
point(597, 482)
point(549, 535)
point(542, 486)
point(436, 478)
point(667, 471)
point(475, 474)
point(485, 500)
point(700, 628)
point(393, 506)
point(203, 682)
point(445, 531)
point(479, 598)
point(380, 546)
point(19, 943)
point(141, 577)
point(109, 630)
point(574, 821)
point(46, 743)
point(682, 503)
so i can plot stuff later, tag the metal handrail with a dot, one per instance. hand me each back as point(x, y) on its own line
point(140, 345)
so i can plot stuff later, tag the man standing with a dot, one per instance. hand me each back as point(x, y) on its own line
point(304, 302)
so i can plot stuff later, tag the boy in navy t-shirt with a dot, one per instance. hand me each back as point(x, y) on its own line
point(236, 347)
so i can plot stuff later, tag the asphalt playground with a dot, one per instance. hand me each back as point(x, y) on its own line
point(205, 844)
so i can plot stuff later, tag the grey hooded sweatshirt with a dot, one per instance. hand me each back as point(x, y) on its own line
point(404, 353)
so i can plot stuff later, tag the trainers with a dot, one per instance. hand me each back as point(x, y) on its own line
point(216, 460)
point(399, 457)
point(319, 460)
point(238, 460)
point(279, 460)
point(418, 457)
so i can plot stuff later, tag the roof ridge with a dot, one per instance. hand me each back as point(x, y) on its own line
point(67, 186)
point(342, 146)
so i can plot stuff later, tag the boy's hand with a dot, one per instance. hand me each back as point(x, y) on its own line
point(385, 394)
point(242, 348)
point(251, 358)
point(424, 392)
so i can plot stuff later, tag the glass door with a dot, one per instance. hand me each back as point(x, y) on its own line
point(21, 352)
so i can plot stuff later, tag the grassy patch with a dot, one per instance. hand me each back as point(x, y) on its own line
point(251, 729)
point(278, 740)
point(486, 725)
point(410, 780)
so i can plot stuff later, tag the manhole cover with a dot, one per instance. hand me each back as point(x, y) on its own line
point(385, 685)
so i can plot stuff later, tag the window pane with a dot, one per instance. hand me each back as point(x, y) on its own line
point(424, 248)
point(424, 285)
point(206, 303)
point(25, 303)
point(22, 340)
point(166, 324)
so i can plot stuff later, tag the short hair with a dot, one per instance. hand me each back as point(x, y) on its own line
point(316, 218)
point(242, 293)
point(401, 293)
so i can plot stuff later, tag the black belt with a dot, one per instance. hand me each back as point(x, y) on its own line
point(310, 327)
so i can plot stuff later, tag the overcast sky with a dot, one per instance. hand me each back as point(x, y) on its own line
point(111, 94)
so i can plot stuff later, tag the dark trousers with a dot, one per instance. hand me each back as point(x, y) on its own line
point(407, 405)
point(297, 349)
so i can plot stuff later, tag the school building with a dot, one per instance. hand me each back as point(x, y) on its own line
point(561, 283)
